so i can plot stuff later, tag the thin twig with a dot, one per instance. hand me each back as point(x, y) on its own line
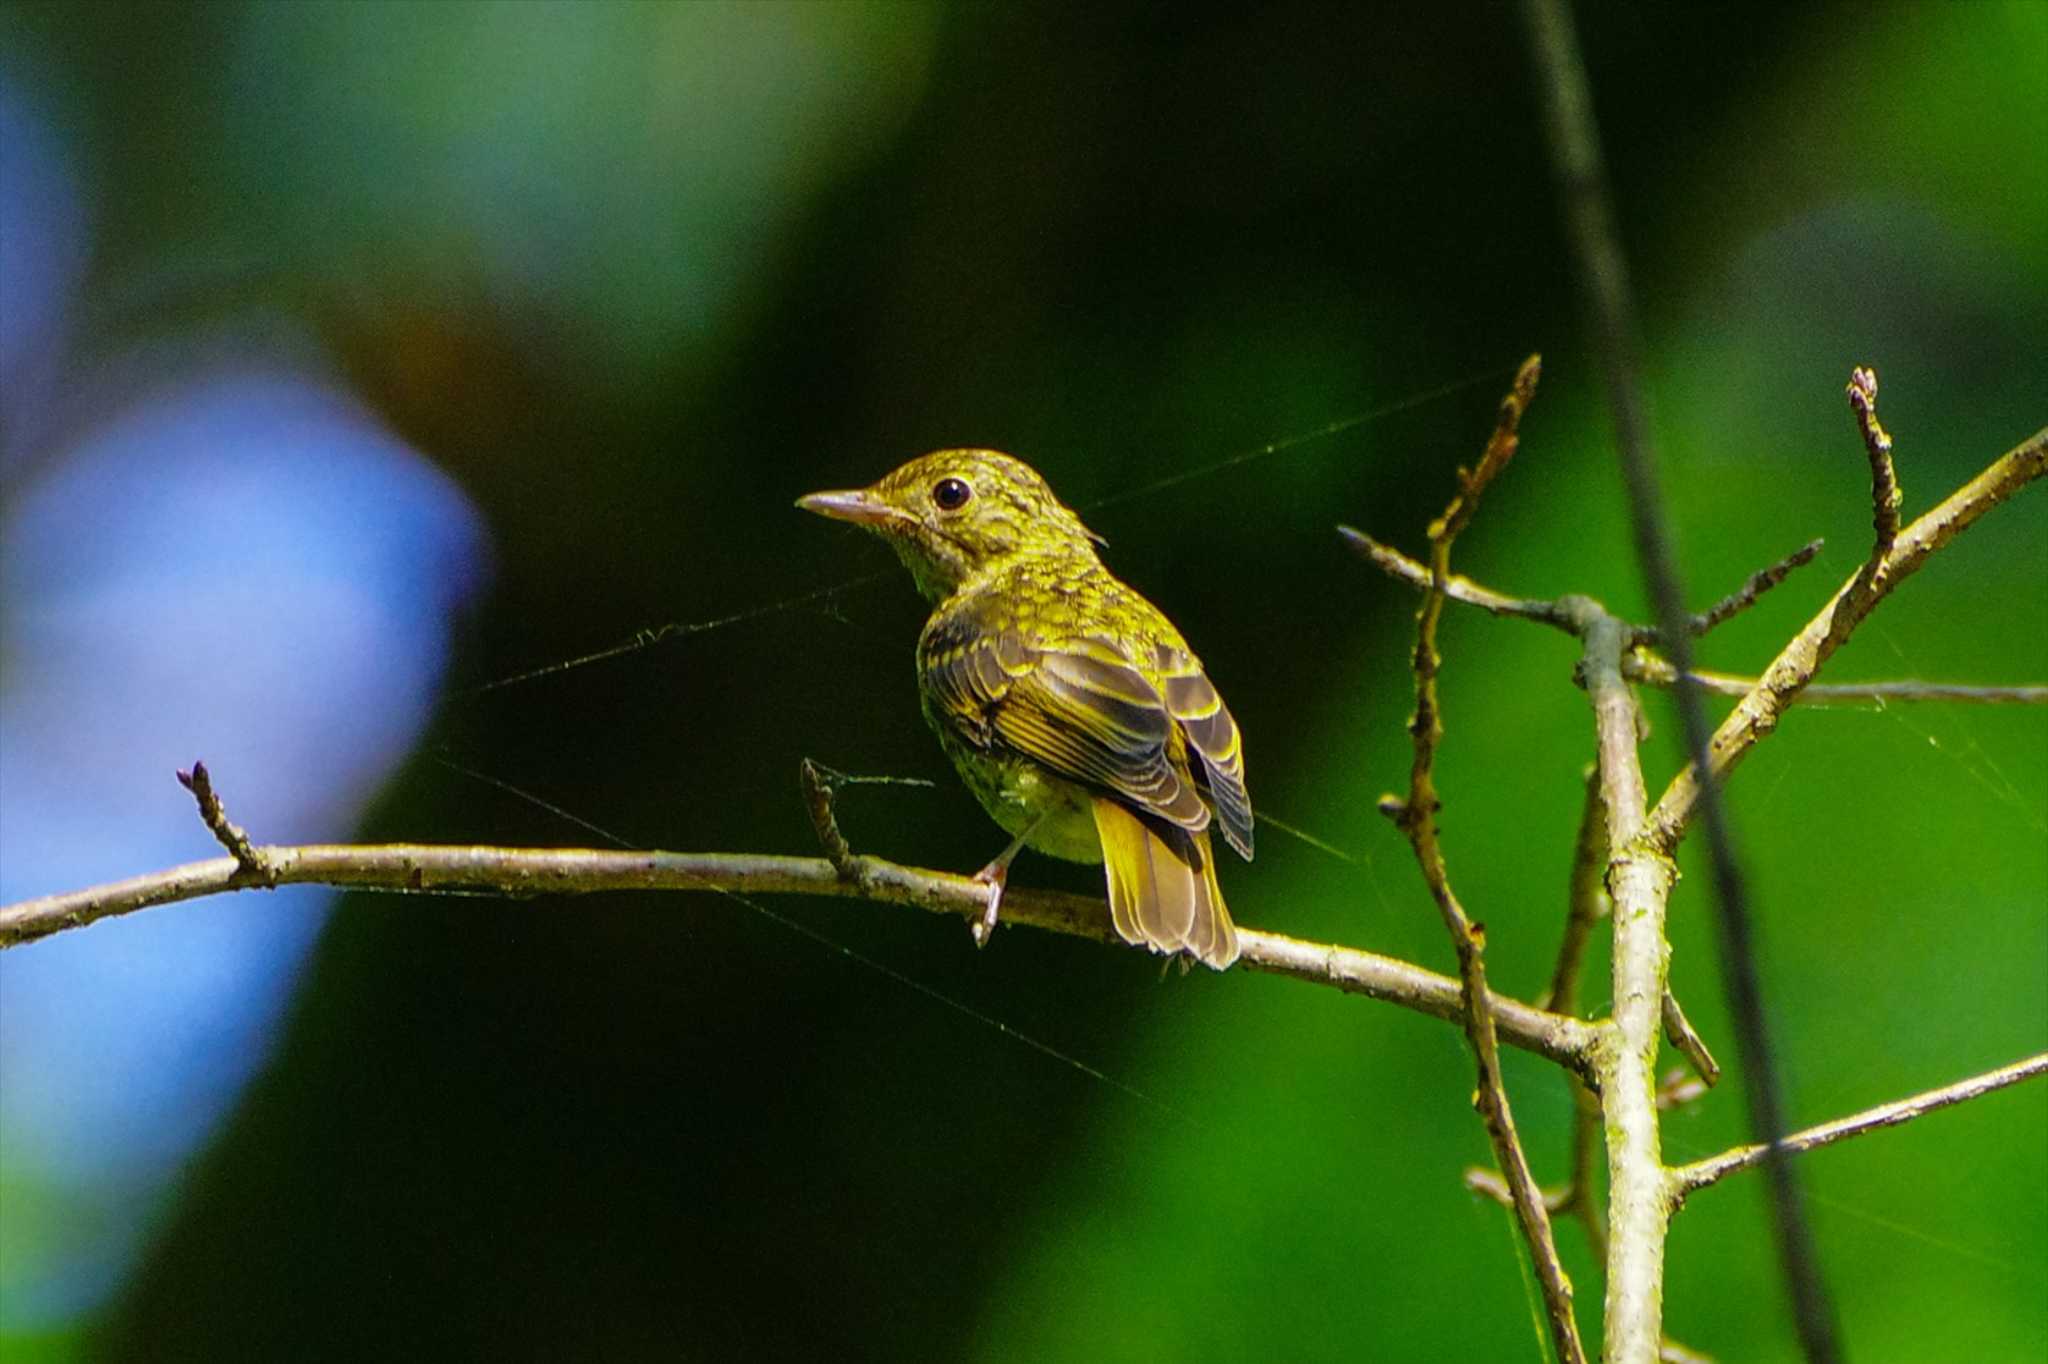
point(1500, 448)
point(1787, 678)
point(818, 792)
point(1658, 672)
point(1589, 903)
point(1582, 1193)
point(1577, 1197)
point(1586, 903)
point(1417, 818)
point(1743, 597)
point(1457, 587)
point(1639, 665)
point(1686, 1179)
point(1885, 495)
point(214, 815)
point(1678, 1028)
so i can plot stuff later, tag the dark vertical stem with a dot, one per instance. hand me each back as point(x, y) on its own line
point(1603, 271)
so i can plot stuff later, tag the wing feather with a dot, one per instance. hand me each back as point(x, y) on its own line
point(1079, 707)
point(1193, 702)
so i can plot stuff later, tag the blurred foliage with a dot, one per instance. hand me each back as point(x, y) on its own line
point(637, 275)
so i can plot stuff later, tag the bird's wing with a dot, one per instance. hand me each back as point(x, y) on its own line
point(1079, 707)
point(1192, 701)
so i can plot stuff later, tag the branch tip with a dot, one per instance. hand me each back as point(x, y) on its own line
point(1687, 1179)
point(1678, 1028)
point(226, 832)
point(820, 786)
point(1885, 495)
point(1742, 598)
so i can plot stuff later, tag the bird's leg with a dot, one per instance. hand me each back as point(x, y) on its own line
point(995, 876)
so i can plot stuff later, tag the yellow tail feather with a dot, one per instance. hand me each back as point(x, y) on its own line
point(1162, 886)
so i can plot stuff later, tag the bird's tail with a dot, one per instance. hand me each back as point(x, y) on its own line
point(1162, 886)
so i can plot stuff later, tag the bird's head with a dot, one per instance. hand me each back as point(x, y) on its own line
point(955, 514)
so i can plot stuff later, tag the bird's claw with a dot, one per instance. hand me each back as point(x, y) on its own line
point(984, 927)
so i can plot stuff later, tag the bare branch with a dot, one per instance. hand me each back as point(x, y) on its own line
point(1500, 448)
point(1885, 495)
point(1745, 596)
point(1639, 881)
point(1586, 903)
point(1582, 1192)
point(1783, 682)
point(1581, 180)
point(1639, 870)
point(1417, 818)
point(818, 792)
point(1562, 1202)
point(1401, 568)
point(521, 872)
point(215, 816)
point(1639, 665)
point(1685, 1179)
point(1678, 1028)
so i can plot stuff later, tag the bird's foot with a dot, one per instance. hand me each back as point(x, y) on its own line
point(995, 876)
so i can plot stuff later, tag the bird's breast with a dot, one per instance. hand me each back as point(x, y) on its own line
point(1055, 816)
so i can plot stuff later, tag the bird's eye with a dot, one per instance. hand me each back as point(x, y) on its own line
point(951, 494)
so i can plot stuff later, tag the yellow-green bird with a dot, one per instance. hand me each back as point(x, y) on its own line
point(1070, 706)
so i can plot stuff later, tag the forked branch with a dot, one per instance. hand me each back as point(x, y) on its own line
point(1637, 861)
point(1893, 560)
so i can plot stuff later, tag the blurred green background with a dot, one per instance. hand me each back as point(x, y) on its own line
point(635, 276)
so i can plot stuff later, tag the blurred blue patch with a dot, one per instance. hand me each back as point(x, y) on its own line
point(240, 565)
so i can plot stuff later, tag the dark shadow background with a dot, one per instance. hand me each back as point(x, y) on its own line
point(1130, 244)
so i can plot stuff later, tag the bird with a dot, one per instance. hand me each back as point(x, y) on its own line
point(1069, 704)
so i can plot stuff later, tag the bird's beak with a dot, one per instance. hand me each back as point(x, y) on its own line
point(860, 506)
